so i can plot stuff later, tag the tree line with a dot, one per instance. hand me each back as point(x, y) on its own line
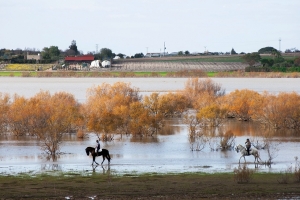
point(120, 109)
point(275, 63)
point(52, 54)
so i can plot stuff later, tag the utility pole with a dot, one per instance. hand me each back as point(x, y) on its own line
point(279, 43)
point(96, 48)
point(164, 48)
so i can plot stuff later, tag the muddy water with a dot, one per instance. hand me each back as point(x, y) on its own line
point(166, 153)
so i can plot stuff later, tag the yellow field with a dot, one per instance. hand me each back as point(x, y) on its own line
point(27, 67)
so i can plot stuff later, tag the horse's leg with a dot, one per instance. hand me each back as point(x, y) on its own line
point(108, 158)
point(94, 159)
point(240, 159)
point(258, 157)
point(103, 159)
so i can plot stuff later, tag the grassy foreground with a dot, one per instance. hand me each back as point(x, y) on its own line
point(147, 186)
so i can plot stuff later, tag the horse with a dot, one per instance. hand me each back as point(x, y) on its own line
point(104, 153)
point(244, 152)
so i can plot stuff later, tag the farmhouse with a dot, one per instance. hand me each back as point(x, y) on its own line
point(32, 57)
point(78, 62)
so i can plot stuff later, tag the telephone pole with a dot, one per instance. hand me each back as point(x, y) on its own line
point(164, 48)
point(279, 43)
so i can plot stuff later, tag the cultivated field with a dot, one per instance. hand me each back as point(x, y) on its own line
point(178, 66)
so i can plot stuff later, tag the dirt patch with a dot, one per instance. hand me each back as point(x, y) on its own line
point(150, 186)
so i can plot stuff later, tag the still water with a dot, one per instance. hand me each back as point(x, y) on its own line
point(166, 153)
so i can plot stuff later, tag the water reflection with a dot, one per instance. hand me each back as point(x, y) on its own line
point(171, 127)
point(105, 169)
point(51, 167)
point(251, 129)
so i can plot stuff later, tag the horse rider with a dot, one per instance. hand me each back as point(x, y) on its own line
point(248, 146)
point(97, 146)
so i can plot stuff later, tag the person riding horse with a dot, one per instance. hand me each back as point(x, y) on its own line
point(248, 146)
point(97, 146)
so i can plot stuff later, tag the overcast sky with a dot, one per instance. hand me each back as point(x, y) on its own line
point(138, 26)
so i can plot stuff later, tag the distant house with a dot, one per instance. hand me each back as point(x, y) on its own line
point(37, 57)
point(152, 55)
point(78, 62)
point(173, 54)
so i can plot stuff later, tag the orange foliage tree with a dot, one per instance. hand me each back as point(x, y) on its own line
point(204, 96)
point(19, 116)
point(282, 110)
point(4, 108)
point(244, 104)
point(140, 120)
point(160, 107)
point(172, 104)
point(46, 116)
point(195, 88)
point(156, 111)
point(107, 108)
point(212, 115)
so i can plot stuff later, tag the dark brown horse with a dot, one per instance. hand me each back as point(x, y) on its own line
point(104, 153)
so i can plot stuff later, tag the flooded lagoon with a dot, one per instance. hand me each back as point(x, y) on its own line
point(166, 153)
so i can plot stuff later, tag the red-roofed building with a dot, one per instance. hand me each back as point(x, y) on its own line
point(81, 58)
point(78, 62)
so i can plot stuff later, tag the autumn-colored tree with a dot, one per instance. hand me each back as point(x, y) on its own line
point(56, 116)
point(282, 110)
point(19, 116)
point(212, 115)
point(4, 110)
point(81, 121)
point(46, 116)
point(195, 88)
point(107, 107)
point(206, 99)
point(172, 104)
point(243, 104)
point(122, 119)
point(155, 109)
point(140, 120)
